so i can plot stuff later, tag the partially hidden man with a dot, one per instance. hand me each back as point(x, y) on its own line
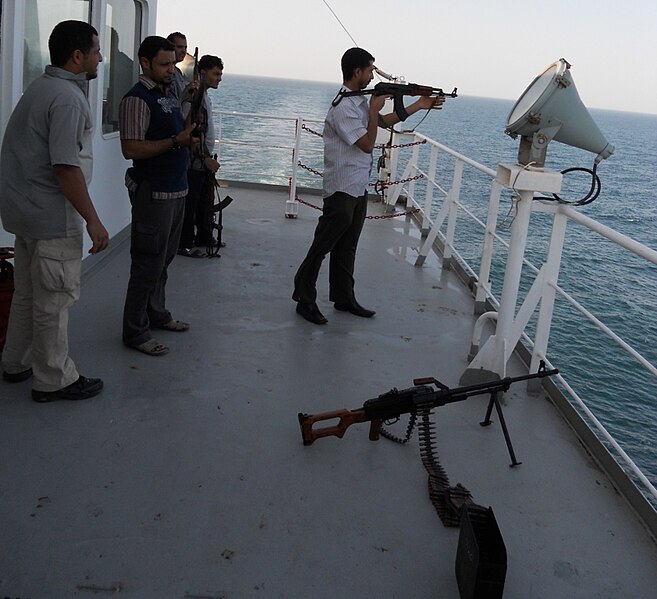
point(154, 138)
point(45, 167)
point(197, 224)
point(349, 138)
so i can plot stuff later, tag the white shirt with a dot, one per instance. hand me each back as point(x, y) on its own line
point(346, 167)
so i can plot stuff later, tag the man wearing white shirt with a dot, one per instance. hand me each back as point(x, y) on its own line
point(196, 230)
point(349, 139)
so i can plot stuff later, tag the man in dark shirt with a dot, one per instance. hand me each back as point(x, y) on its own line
point(154, 137)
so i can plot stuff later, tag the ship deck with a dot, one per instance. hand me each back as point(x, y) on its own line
point(187, 476)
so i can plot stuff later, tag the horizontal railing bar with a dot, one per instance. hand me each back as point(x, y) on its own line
point(265, 116)
point(473, 163)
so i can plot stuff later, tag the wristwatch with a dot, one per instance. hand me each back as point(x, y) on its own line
point(176, 145)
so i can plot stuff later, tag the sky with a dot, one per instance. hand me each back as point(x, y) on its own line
point(488, 48)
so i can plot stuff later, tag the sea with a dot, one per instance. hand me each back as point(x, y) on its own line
point(613, 284)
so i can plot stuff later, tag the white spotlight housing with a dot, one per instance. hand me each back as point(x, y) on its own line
point(551, 109)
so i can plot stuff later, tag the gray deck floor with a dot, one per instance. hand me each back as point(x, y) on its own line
point(187, 477)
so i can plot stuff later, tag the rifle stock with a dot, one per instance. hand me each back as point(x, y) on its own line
point(345, 419)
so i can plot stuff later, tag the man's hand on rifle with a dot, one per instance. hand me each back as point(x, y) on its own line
point(183, 138)
point(211, 164)
point(430, 102)
point(377, 103)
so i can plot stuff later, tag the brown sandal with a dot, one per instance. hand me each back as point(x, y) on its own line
point(177, 326)
point(152, 347)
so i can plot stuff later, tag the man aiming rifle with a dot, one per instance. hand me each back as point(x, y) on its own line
point(397, 91)
point(349, 138)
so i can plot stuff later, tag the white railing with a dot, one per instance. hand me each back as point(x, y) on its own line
point(293, 145)
point(446, 199)
point(542, 292)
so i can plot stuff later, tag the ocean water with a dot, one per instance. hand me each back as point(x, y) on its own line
point(615, 286)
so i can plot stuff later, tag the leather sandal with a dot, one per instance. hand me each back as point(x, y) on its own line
point(152, 347)
point(178, 326)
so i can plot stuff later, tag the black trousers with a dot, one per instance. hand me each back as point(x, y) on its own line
point(198, 206)
point(155, 233)
point(337, 232)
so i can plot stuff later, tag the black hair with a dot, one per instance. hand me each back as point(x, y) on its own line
point(67, 37)
point(172, 36)
point(355, 58)
point(208, 62)
point(152, 45)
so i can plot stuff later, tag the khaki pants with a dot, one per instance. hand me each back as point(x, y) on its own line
point(47, 283)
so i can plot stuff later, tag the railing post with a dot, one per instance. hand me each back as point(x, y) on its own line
point(428, 196)
point(414, 169)
point(490, 361)
point(552, 268)
point(390, 199)
point(292, 206)
point(218, 140)
point(483, 284)
point(394, 163)
point(453, 198)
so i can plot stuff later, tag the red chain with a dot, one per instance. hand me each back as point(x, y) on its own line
point(383, 184)
point(375, 217)
point(382, 146)
point(303, 126)
point(380, 184)
point(394, 214)
point(408, 145)
point(308, 168)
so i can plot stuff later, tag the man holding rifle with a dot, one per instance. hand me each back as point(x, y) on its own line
point(154, 137)
point(349, 137)
point(202, 167)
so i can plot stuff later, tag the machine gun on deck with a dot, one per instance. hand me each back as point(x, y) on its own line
point(397, 91)
point(428, 393)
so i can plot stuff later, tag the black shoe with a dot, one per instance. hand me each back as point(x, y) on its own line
point(311, 313)
point(17, 377)
point(83, 388)
point(355, 308)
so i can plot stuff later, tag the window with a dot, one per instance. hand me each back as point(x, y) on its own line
point(41, 16)
point(119, 49)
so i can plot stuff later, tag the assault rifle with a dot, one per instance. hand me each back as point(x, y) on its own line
point(427, 393)
point(397, 91)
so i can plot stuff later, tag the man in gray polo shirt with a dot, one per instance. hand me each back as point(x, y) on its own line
point(45, 167)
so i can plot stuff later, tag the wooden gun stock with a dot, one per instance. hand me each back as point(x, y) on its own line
point(345, 419)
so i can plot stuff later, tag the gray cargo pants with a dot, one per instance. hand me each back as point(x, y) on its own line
point(155, 233)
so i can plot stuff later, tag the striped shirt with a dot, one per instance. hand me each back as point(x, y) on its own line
point(134, 120)
point(346, 167)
